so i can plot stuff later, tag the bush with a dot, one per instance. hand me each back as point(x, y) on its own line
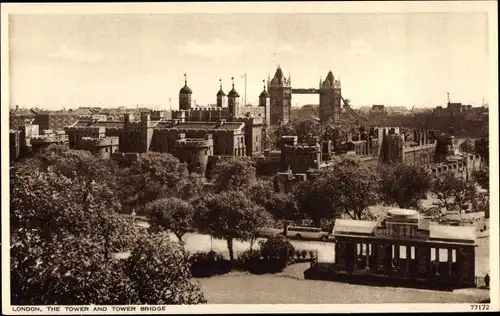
point(276, 254)
point(277, 247)
point(207, 264)
point(303, 254)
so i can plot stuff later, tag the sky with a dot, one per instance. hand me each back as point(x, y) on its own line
point(127, 60)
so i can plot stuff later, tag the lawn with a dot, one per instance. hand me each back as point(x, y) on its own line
point(289, 288)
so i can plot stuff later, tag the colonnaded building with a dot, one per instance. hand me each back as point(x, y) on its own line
point(402, 248)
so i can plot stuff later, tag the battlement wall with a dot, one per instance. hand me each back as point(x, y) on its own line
point(89, 142)
point(193, 143)
point(419, 148)
point(301, 149)
point(135, 125)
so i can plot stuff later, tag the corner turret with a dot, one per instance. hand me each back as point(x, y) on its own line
point(185, 96)
point(221, 97)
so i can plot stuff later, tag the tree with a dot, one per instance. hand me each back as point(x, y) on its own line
point(354, 187)
point(65, 234)
point(160, 274)
point(315, 200)
point(482, 177)
point(481, 147)
point(81, 163)
point(172, 214)
point(453, 192)
point(153, 176)
point(404, 185)
point(347, 188)
point(230, 215)
point(48, 263)
point(233, 174)
point(283, 207)
point(467, 146)
point(261, 192)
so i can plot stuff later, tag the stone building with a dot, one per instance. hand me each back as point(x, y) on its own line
point(378, 146)
point(47, 138)
point(403, 248)
point(194, 152)
point(330, 99)
point(99, 146)
point(280, 91)
point(14, 144)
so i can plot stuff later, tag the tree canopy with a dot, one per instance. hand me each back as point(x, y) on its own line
point(66, 234)
point(452, 192)
point(173, 214)
point(156, 175)
point(348, 188)
point(233, 174)
point(230, 215)
point(404, 185)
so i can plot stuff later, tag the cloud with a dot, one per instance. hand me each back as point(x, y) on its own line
point(68, 53)
point(360, 48)
point(287, 48)
point(214, 49)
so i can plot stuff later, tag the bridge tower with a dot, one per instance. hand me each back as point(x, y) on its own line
point(330, 99)
point(280, 91)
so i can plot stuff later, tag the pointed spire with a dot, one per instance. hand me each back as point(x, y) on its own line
point(185, 79)
point(232, 79)
point(264, 84)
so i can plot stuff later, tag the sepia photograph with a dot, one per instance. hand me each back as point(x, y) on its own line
point(249, 154)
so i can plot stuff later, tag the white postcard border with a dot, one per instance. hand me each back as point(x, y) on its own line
point(489, 7)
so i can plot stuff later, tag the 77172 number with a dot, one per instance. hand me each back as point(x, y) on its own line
point(480, 307)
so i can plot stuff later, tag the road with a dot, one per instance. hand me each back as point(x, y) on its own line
point(325, 250)
point(198, 242)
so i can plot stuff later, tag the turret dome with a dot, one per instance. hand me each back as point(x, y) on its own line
point(185, 89)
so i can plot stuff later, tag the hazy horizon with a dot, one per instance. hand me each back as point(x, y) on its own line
point(139, 59)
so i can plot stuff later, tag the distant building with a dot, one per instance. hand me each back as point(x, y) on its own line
point(14, 144)
point(378, 109)
point(47, 138)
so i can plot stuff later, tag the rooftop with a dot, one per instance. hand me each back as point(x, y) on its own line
point(443, 233)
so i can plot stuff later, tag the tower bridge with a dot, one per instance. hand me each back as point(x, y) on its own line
point(279, 95)
point(305, 91)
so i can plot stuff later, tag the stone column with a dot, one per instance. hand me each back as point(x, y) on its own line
point(408, 259)
point(397, 255)
point(337, 252)
point(367, 256)
point(423, 258)
point(436, 249)
point(388, 259)
point(450, 261)
point(374, 263)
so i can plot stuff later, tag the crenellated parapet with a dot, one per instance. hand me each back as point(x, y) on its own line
point(91, 142)
point(301, 149)
point(193, 143)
